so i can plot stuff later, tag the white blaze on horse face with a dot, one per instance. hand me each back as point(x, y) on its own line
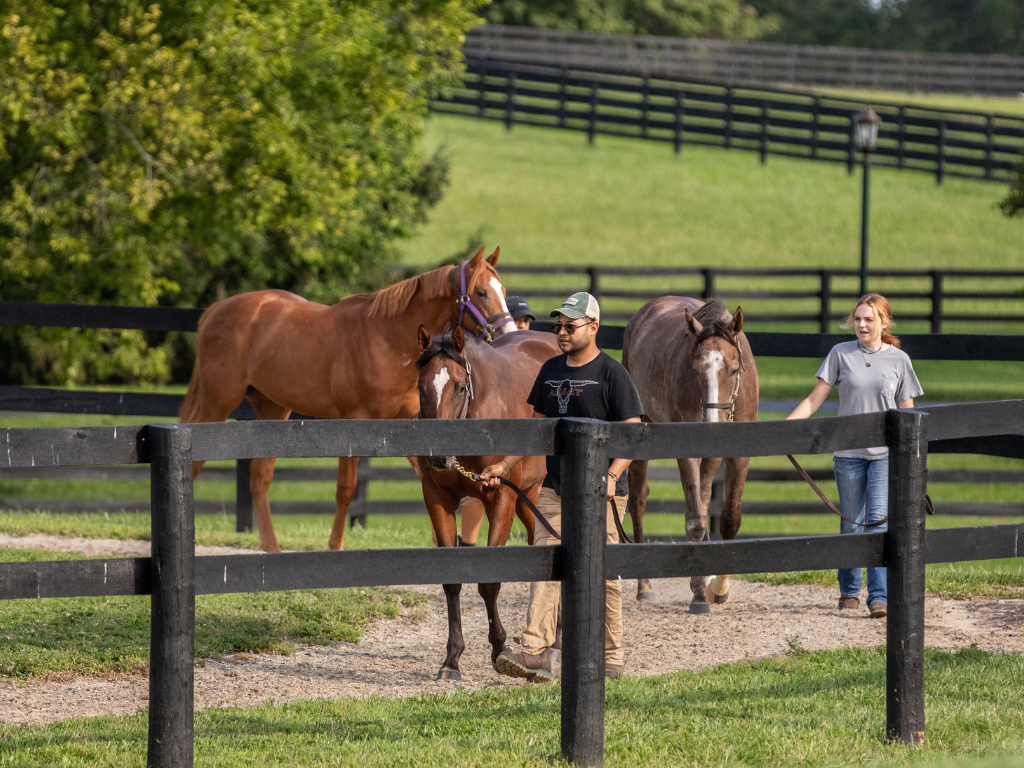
point(713, 360)
point(440, 379)
point(496, 285)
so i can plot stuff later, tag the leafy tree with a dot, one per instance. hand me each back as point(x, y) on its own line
point(1013, 205)
point(724, 19)
point(175, 155)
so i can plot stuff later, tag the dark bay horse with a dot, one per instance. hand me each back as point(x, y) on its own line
point(353, 360)
point(691, 362)
point(465, 378)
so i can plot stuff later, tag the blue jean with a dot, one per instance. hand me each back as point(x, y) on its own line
point(855, 477)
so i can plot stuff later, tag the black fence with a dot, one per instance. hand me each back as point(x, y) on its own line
point(42, 400)
point(583, 561)
point(807, 296)
point(769, 121)
point(745, 63)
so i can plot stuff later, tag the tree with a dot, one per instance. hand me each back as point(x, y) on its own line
point(1013, 205)
point(723, 19)
point(176, 156)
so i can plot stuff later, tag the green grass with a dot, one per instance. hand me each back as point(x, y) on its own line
point(988, 104)
point(105, 635)
point(810, 709)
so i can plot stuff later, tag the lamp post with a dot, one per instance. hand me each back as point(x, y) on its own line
point(865, 138)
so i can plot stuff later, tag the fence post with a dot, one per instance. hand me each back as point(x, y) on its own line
point(728, 117)
point(940, 167)
point(990, 127)
point(815, 126)
point(482, 107)
point(357, 509)
point(936, 301)
point(583, 448)
point(646, 106)
point(825, 294)
point(592, 128)
point(764, 133)
point(173, 601)
point(595, 282)
point(244, 517)
point(680, 119)
point(907, 438)
point(901, 141)
point(561, 99)
point(510, 103)
point(851, 156)
point(709, 284)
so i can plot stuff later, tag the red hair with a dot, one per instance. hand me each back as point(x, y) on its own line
point(883, 312)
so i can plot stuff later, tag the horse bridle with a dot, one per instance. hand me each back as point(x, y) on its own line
point(464, 302)
point(731, 405)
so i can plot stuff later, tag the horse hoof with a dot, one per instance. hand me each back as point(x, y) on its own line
point(713, 598)
point(447, 673)
point(647, 594)
point(700, 608)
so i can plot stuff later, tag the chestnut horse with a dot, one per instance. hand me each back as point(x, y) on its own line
point(691, 362)
point(352, 360)
point(465, 378)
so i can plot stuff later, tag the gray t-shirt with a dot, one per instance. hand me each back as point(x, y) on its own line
point(869, 382)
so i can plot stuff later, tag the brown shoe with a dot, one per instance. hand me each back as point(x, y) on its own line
point(878, 610)
point(849, 603)
point(613, 671)
point(525, 665)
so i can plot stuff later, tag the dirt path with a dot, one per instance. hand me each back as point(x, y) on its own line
point(401, 657)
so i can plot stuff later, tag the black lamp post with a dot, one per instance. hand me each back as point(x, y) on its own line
point(865, 138)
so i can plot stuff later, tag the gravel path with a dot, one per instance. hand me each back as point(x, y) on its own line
point(401, 657)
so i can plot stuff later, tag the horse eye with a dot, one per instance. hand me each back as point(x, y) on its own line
point(481, 293)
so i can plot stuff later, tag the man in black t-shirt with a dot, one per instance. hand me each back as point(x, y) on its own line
point(586, 383)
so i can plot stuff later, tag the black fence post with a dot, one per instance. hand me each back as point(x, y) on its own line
point(357, 509)
point(677, 140)
point(646, 106)
point(901, 140)
point(728, 117)
point(595, 282)
point(561, 99)
point(851, 154)
point(582, 445)
point(990, 127)
point(764, 133)
point(940, 154)
point(592, 127)
point(244, 513)
point(482, 106)
point(173, 601)
point(510, 104)
point(936, 315)
point(907, 438)
point(825, 295)
point(815, 126)
point(709, 284)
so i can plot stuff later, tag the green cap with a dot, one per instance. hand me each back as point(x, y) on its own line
point(579, 305)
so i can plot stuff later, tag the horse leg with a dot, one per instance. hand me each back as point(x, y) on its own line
point(441, 505)
point(525, 514)
point(456, 642)
point(261, 471)
point(639, 491)
point(501, 512)
point(496, 634)
point(696, 526)
point(347, 480)
point(735, 479)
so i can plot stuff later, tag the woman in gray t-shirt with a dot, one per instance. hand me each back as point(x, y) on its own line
point(873, 374)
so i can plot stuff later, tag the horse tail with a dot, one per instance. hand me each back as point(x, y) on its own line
point(189, 411)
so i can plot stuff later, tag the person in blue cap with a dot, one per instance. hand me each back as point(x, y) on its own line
point(520, 311)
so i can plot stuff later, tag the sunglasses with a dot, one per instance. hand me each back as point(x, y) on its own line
point(569, 328)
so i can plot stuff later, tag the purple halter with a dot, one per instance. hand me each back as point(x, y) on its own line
point(464, 302)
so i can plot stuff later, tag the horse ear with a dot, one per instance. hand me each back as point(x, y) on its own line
point(458, 339)
point(475, 261)
point(737, 320)
point(693, 324)
point(424, 338)
point(493, 258)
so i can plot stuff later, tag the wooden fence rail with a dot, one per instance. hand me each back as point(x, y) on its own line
point(173, 576)
point(745, 63)
point(769, 121)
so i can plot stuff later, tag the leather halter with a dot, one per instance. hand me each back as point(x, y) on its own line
point(468, 397)
point(464, 302)
point(731, 405)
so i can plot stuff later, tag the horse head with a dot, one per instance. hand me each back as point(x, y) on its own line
point(481, 297)
point(445, 381)
point(716, 358)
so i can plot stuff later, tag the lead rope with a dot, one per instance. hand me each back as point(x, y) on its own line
point(928, 506)
point(519, 492)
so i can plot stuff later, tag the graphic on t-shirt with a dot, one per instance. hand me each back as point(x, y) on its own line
point(564, 393)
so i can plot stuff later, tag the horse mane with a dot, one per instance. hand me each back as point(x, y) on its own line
point(441, 345)
point(395, 299)
point(716, 321)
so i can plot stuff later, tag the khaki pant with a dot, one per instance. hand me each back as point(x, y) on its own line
point(542, 615)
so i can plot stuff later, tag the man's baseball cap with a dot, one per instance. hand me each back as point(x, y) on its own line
point(517, 307)
point(579, 305)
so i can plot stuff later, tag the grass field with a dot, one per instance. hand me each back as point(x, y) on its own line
point(804, 709)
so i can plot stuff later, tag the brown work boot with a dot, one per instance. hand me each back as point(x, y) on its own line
point(525, 665)
point(613, 671)
point(849, 603)
point(878, 610)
